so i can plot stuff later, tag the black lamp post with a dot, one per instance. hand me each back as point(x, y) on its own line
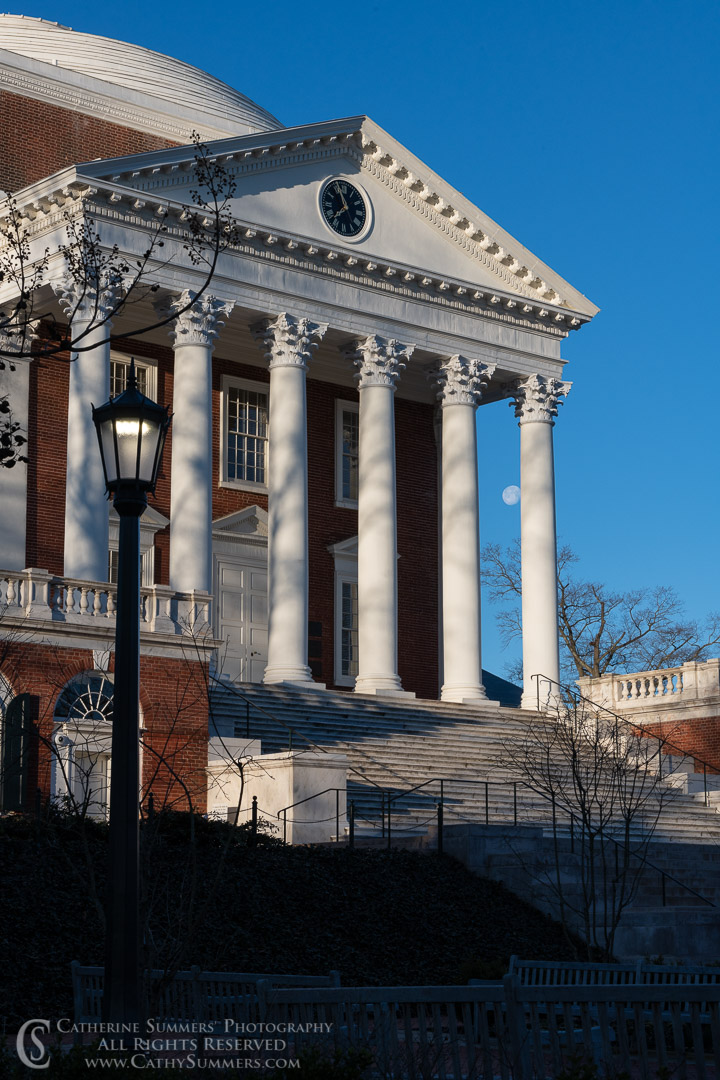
point(131, 430)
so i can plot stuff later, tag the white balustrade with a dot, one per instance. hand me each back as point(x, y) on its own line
point(683, 683)
point(37, 595)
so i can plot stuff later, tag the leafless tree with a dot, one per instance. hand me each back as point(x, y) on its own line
point(600, 781)
point(602, 630)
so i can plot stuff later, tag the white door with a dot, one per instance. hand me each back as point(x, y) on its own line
point(241, 618)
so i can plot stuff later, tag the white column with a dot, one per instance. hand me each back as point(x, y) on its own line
point(288, 344)
point(462, 382)
point(86, 505)
point(380, 363)
point(191, 476)
point(15, 386)
point(536, 403)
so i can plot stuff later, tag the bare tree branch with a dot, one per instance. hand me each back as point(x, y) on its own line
point(601, 630)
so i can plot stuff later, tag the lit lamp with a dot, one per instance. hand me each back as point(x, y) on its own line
point(131, 431)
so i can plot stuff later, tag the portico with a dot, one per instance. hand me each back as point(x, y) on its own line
point(349, 435)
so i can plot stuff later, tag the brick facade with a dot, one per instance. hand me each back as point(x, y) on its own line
point(700, 736)
point(174, 705)
point(417, 501)
point(39, 139)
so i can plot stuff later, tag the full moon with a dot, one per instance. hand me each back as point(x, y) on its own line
point(511, 495)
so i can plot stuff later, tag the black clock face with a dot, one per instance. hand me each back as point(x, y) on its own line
point(343, 208)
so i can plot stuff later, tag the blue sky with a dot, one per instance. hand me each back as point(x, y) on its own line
point(590, 132)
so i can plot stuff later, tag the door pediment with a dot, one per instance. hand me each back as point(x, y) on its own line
point(250, 524)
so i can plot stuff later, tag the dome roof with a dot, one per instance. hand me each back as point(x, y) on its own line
point(135, 69)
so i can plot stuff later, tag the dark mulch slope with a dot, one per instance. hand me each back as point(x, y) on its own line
point(378, 917)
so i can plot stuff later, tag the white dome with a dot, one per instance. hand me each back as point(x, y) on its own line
point(134, 68)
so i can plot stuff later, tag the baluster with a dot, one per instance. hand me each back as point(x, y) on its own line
point(681, 682)
point(69, 600)
point(83, 600)
point(10, 596)
point(110, 604)
point(97, 603)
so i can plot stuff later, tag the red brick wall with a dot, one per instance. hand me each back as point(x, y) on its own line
point(47, 464)
point(700, 736)
point(328, 523)
point(39, 139)
point(175, 716)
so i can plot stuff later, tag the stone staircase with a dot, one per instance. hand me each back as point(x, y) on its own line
point(395, 745)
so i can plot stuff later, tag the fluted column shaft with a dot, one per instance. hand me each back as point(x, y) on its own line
point(379, 363)
point(288, 343)
point(461, 381)
point(191, 479)
point(536, 403)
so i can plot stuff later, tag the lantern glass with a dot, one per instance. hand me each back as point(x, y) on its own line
point(131, 430)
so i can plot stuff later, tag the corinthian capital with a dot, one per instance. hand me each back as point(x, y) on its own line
point(197, 322)
point(16, 338)
point(461, 381)
point(287, 341)
point(536, 399)
point(90, 298)
point(379, 361)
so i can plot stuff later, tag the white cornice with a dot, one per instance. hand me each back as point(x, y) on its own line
point(47, 203)
point(516, 269)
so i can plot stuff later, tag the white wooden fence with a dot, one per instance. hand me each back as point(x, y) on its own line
point(511, 1031)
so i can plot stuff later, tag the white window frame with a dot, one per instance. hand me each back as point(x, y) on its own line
point(140, 362)
point(345, 556)
point(342, 406)
point(230, 382)
point(151, 522)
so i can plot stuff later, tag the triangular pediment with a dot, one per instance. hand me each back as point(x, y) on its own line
point(347, 548)
point(252, 521)
point(418, 221)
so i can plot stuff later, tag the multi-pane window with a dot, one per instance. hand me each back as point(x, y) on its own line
point(347, 446)
point(147, 566)
point(247, 434)
point(350, 442)
point(349, 629)
point(119, 375)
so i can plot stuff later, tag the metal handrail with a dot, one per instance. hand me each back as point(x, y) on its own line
point(664, 875)
point(384, 792)
point(313, 745)
point(576, 696)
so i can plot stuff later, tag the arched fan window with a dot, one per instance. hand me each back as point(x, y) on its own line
point(87, 699)
point(82, 741)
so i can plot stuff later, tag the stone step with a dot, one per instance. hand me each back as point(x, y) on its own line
point(398, 745)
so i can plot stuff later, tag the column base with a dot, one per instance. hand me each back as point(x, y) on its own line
point(465, 693)
point(291, 676)
point(381, 686)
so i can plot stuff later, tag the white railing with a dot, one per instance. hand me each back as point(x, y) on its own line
point(35, 594)
point(686, 683)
